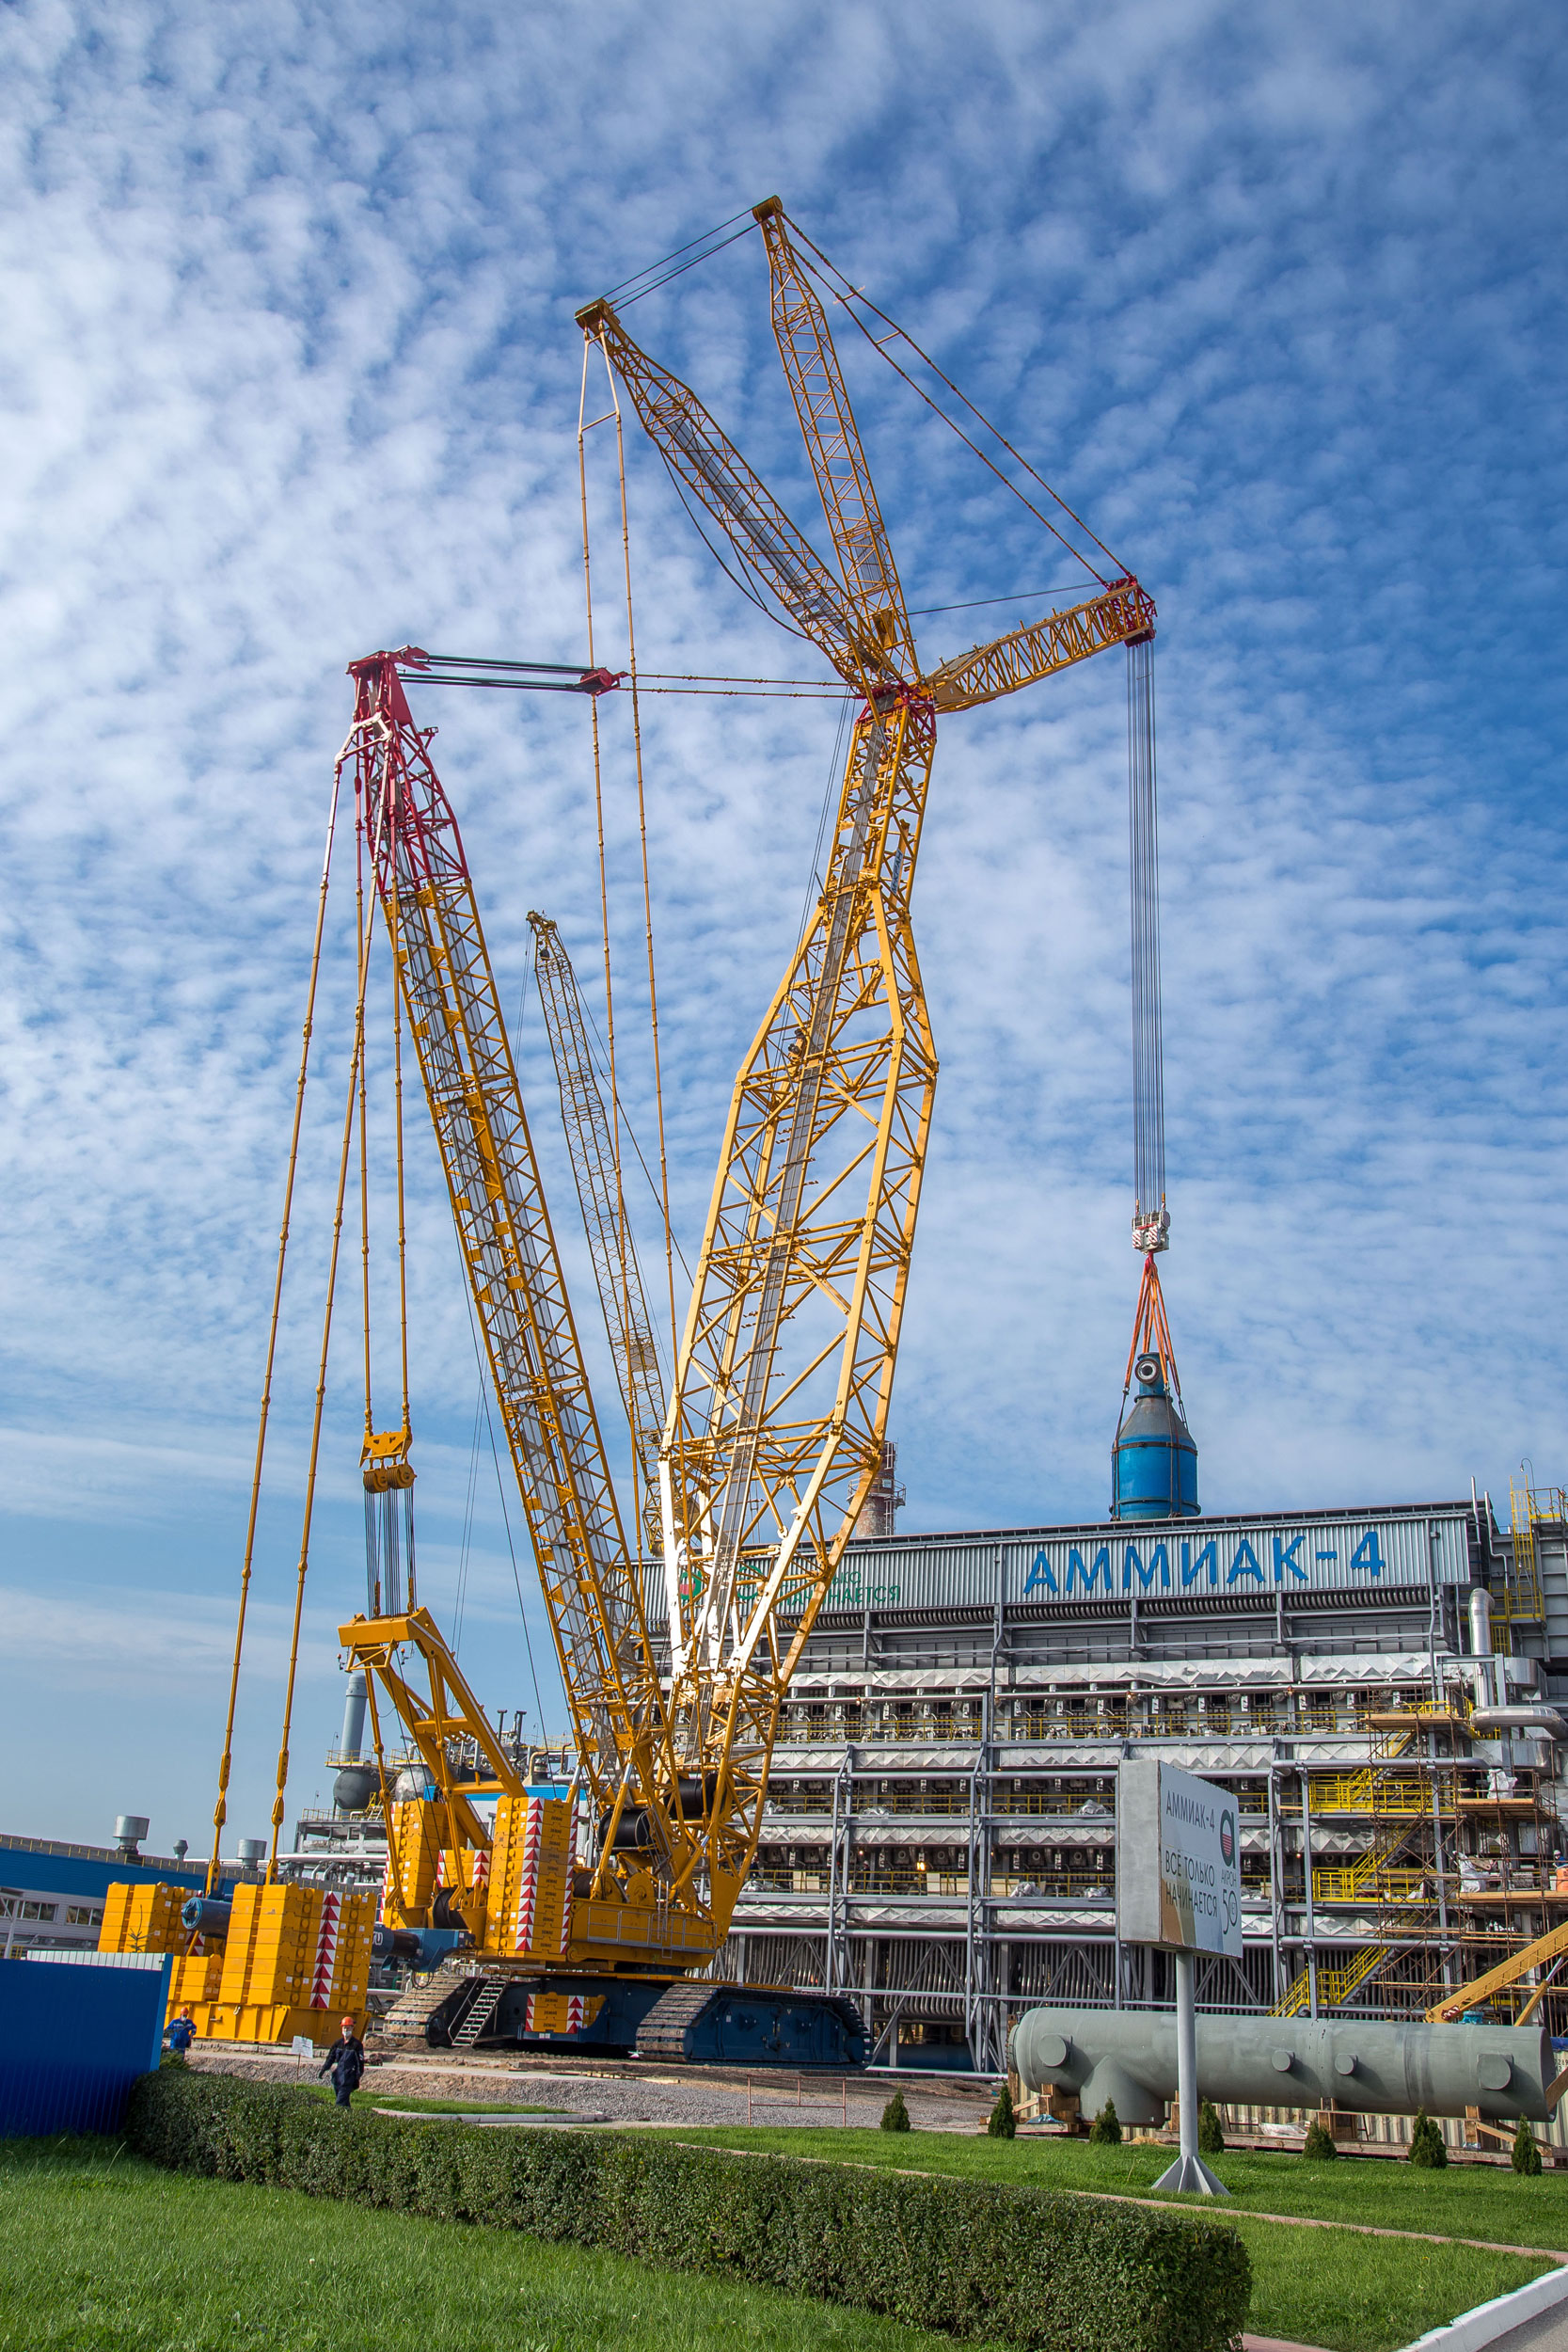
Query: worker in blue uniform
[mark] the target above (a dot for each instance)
(345, 2061)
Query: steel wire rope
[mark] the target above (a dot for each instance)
(628, 299)
(220, 1814)
(1148, 1077)
(506, 1516)
(845, 293)
(647, 891)
(700, 239)
(813, 694)
(314, 1455)
(623, 1302)
(466, 1548)
(814, 881)
(393, 926)
(751, 593)
(970, 604)
(364, 1154)
(598, 1040)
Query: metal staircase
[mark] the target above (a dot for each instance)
(479, 2012)
(406, 2024)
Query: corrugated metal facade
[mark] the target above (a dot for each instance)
(75, 2034)
(1313, 1552)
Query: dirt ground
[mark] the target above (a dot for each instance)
(693, 2098)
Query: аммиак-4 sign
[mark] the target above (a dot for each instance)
(1179, 1868)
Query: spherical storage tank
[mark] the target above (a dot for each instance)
(1154, 1460)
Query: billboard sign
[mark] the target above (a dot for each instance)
(1178, 1862)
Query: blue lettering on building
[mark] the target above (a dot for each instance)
(1246, 1563)
(1075, 1567)
(1285, 1557)
(1158, 1565)
(1192, 1569)
(1041, 1572)
(1148, 1564)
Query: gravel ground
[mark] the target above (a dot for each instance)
(692, 2100)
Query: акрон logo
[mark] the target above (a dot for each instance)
(1228, 1838)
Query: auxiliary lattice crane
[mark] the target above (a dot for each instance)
(617, 1274)
(776, 1426)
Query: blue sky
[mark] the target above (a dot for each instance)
(1273, 296)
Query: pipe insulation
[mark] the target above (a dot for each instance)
(1369, 2067)
(1149, 1079)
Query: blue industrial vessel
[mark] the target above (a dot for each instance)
(1154, 1459)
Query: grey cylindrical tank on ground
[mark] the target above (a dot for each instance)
(1368, 2066)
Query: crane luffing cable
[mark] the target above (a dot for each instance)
(660, 275)
(847, 294)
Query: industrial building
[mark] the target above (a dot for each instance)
(940, 1836)
(52, 1894)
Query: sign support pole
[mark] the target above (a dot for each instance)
(1189, 2171)
(1179, 1886)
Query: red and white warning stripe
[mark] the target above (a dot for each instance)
(327, 1952)
(571, 1872)
(528, 1882)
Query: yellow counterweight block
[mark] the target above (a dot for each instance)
(296, 1959)
(142, 1919)
(194, 1980)
(413, 1857)
(561, 2012)
(531, 1875)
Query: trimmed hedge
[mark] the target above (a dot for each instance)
(1066, 2273)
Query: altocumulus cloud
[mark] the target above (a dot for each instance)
(1274, 298)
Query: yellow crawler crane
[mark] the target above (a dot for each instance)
(778, 1413)
(587, 1908)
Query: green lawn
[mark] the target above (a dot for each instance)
(1462, 2201)
(104, 2253)
(1342, 2291)
(101, 2252)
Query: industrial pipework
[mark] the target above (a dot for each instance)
(1128, 2056)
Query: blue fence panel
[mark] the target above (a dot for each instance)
(75, 2034)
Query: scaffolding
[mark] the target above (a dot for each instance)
(1520, 1599)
